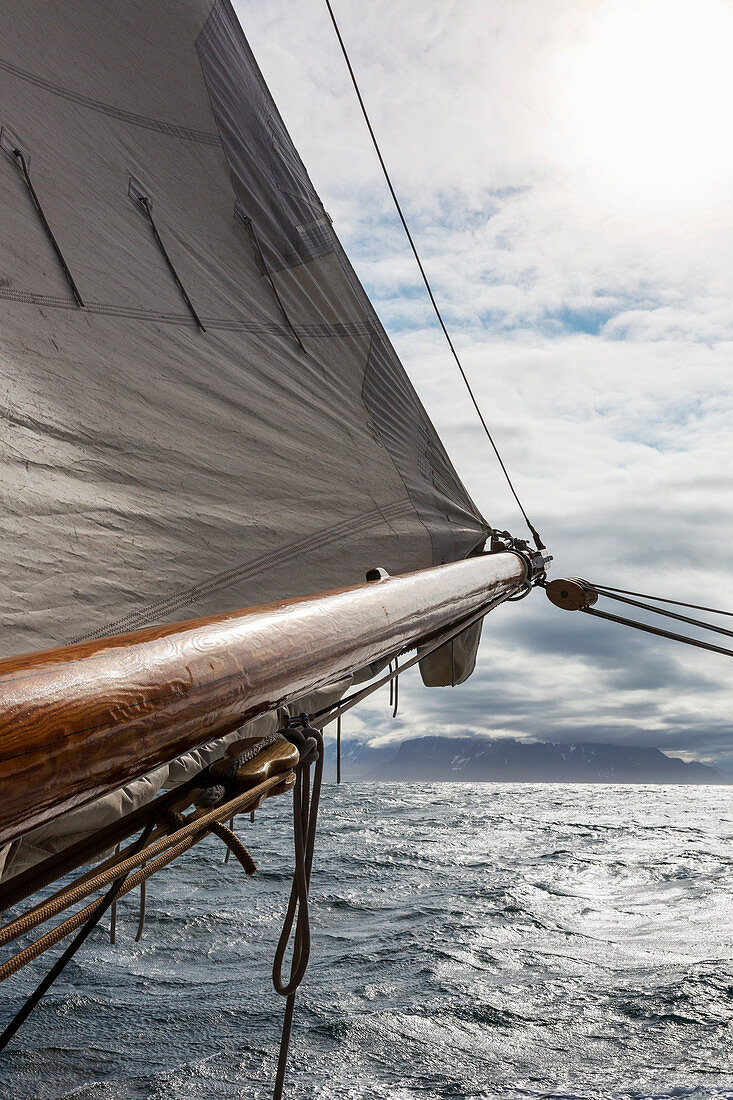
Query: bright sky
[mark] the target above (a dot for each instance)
(566, 169)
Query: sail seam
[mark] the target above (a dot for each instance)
(224, 324)
(173, 129)
(161, 608)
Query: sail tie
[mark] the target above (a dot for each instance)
(249, 225)
(147, 207)
(22, 161)
(394, 687)
(338, 749)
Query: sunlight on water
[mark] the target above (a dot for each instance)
(473, 942)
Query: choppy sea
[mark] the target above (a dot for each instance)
(468, 942)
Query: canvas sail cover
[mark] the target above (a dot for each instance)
(153, 470)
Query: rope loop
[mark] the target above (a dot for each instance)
(305, 815)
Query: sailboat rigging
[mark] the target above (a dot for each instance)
(228, 510)
(215, 418)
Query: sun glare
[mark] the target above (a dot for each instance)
(649, 94)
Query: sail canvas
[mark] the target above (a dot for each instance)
(155, 470)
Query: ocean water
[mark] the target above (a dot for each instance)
(468, 942)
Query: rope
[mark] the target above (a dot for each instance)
(180, 841)
(93, 919)
(225, 783)
(234, 845)
(90, 884)
(305, 817)
(537, 540)
(338, 749)
(145, 203)
(230, 839)
(23, 165)
(228, 852)
(83, 851)
(141, 918)
(113, 916)
(185, 835)
(28, 954)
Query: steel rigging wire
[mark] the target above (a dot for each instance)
(535, 535)
(606, 589)
(576, 594)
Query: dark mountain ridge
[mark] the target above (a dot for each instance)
(477, 759)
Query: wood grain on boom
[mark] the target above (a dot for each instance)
(80, 721)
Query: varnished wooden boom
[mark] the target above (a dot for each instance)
(80, 721)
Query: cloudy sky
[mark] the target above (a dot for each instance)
(566, 169)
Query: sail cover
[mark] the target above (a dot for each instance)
(155, 470)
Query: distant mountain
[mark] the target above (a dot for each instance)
(476, 759)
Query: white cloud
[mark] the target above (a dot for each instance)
(591, 307)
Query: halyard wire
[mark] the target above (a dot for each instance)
(535, 535)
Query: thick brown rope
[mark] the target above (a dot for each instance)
(141, 918)
(55, 866)
(12, 965)
(68, 897)
(28, 954)
(234, 845)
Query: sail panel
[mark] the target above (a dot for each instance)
(153, 472)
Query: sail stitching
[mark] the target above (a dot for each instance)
(149, 612)
(224, 324)
(146, 122)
